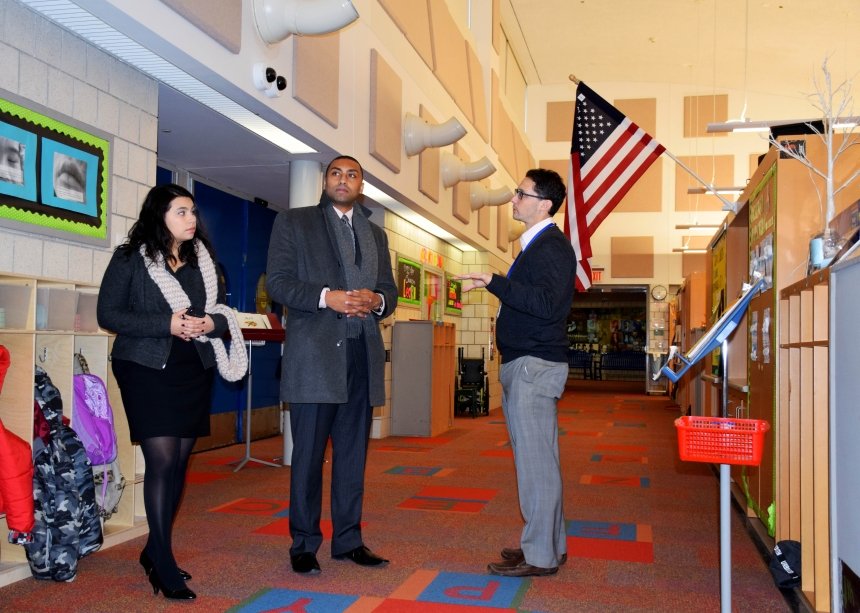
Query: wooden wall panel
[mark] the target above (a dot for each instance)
(497, 28)
(699, 111)
(632, 256)
(413, 19)
(641, 111)
(524, 158)
(562, 167)
(484, 221)
(460, 205)
(428, 164)
(718, 168)
(502, 217)
(646, 195)
(221, 20)
(502, 132)
(317, 89)
(386, 113)
(478, 97)
(559, 121)
(449, 51)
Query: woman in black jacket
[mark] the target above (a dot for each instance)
(159, 294)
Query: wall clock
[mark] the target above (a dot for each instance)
(658, 292)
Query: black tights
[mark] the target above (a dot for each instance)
(166, 462)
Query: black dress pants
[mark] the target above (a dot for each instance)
(348, 426)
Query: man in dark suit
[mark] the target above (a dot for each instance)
(531, 333)
(330, 267)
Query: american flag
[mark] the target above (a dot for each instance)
(608, 154)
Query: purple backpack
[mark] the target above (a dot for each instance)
(92, 417)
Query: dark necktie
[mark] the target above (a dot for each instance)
(347, 230)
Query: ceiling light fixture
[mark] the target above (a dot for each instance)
(712, 190)
(688, 250)
(698, 226)
(85, 25)
(401, 210)
(745, 125)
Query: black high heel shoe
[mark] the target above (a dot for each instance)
(180, 594)
(147, 566)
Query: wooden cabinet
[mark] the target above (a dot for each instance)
(422, 378)
(803, 439)
(45, 323)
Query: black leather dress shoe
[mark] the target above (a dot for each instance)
(511, 554)
(305, 563)
(362, 556)
(523, 569)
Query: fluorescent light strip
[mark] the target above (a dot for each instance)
(685, 250)
(839, 123)
(715, 190)
(697, 226)
(80, 22)
(401, 210)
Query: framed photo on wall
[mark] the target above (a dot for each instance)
(408, 282)
(53, 174)
(453, 295)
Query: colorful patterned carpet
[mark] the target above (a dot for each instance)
(643, 529)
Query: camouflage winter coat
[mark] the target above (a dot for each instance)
(67, 525)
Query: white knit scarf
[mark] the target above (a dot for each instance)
(233, 366)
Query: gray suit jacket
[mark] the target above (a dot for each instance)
(303, 259)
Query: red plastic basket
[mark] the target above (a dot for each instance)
(721, 440)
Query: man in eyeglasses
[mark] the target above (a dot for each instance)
(535, 298)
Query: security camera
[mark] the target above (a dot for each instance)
(281, 83)
(263, 76)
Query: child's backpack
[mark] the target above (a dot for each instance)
(92, 419)
(67, 525)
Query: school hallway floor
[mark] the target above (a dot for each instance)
(643, 528)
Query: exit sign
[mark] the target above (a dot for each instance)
(596, 274)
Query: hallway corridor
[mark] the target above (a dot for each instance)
(643, 528)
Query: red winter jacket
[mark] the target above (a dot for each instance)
(16, 470)
(16, 481)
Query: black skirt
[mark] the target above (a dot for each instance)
(172, 401)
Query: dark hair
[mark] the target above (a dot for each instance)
(549, 185)
(344, 157)
(150, 230)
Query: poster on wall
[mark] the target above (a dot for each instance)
(53, 176)
(408, 282)
(454, 295)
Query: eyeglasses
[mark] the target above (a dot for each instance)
(520, 194)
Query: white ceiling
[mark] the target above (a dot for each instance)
(703, 43)
(697, 42)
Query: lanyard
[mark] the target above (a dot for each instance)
(534, 238)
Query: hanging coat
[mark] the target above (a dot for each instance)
(67, 525)
(16, 481)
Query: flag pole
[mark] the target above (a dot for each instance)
(728, 206)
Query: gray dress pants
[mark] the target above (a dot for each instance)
(531, 388)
